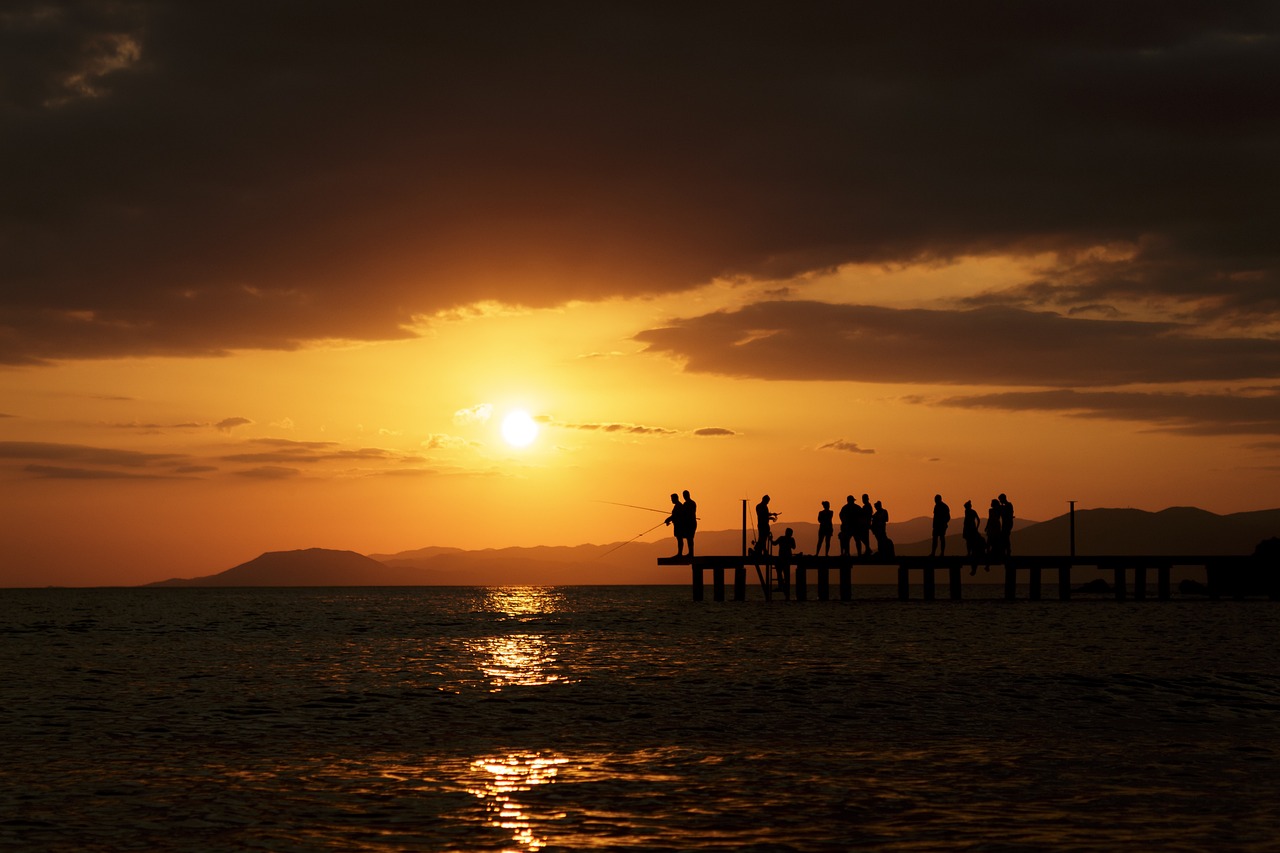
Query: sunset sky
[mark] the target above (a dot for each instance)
(272, 275)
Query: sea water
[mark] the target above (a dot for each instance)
(631, 718)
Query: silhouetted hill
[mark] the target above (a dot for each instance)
(311, 567)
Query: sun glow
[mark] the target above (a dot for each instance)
(519, 429)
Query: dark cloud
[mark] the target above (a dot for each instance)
(228, 424)
(717, 431)
(627, 429)
(269, 472)
(59, 472)
(83, 454)
(977, 346)
(1255, 412)
(845, 446)
(191, 178)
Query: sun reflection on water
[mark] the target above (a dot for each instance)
(501, 778)
(522, 659)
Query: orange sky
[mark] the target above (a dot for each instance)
(272, 303)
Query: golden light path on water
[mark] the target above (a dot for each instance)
(504, 777)
(525, 658)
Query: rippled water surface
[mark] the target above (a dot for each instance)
(631, 718)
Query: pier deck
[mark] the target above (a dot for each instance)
(1221, 572)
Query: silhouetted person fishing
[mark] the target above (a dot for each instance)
(994, 540)
(678, 521)
(849, 517)
(879, 529)
(825, 529)
(690, 518)
(862, 527)
(1006, 526)
(941, 518)
(763, 518)
(786, 544)
(973, 543)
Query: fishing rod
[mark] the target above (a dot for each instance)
(633, 506)
(633, 538)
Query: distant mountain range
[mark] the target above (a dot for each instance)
(1179, 530)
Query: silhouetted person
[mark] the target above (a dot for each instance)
(1006, 525)
(763, 518)
(941, 518)
(974, 546)
(850, 514)
(862, 529)
(786, 547)
(690, 519)
(879, 529)
(994, 540)
(825, 529)
(679, 525)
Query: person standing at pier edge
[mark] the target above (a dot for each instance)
(880, 530)
(690, 519)
(1006, 525)
(676, 522)
(786, 547)
(862, 527)
(941, 518)
(825, 529)
(850, 515)
(994, 540)
(973, 544)
(763, 517)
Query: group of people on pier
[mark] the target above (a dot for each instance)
(860, 522)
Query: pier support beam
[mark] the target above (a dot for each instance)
(929, 584)
(717, 583)
(953, 581)
(904, 583)
(846, 581)
(1162, 582)
(1035, 583)
(1139, 583)
(1121, 584)
(1010, 581)
(740, 583)
(697, 583)
(1064, 582)
(802, 582)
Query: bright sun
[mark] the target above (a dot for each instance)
(519, 429)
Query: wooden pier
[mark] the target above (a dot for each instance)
(1223, 574)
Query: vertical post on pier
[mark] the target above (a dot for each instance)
(1121, 584)
(904, 584)
(953, 580)
(1139, 583)
(846, 580)
(824, 582)
(1073, 527)
(1064, 582)
(1035, 583)
(929, 583)
(1162, 582)
(744, 528)
(740, 582)
(697, 582)
(717, 581)
(1010, 580)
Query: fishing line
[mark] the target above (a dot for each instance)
(633, 506)
(633, 538)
